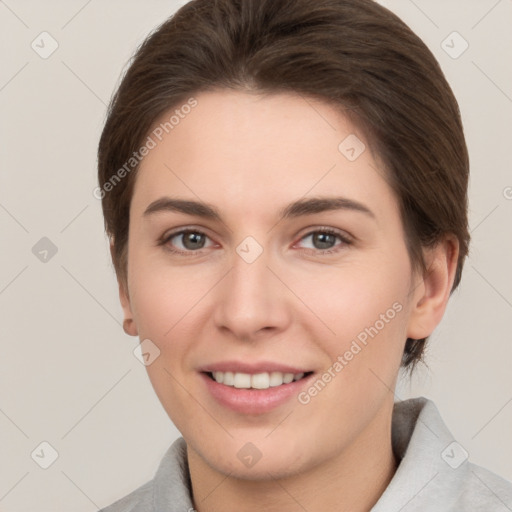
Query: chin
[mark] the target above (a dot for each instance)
(261, 471)
(249, 463)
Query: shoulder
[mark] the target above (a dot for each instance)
(170, 488)
(139, 500)
(483, 490)
(434, 472)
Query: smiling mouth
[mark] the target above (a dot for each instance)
(264, 380)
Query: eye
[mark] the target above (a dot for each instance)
(324, 240)
(188, 241)
(191, 242)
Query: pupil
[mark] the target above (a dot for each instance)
(320, 237)
(324, 240)
(193, 238)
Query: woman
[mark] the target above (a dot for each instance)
(285, 187)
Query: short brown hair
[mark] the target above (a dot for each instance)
(353, 54)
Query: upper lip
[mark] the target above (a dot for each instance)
(251, 368)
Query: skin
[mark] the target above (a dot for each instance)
(250, 155)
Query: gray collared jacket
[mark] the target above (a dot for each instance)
(434, 474)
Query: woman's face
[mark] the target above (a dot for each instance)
(277, 282)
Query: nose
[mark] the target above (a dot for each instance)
(252, 301)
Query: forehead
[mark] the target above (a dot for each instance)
(242, 149)
(255, 127)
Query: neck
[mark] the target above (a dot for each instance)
(351, 481)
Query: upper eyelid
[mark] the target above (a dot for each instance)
(343, 235)
(171, 234)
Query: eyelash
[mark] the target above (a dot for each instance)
(346, 241)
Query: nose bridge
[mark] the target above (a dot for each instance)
(250, 297)
(250, 273)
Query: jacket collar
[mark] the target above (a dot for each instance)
(430, 474)
(432, 468)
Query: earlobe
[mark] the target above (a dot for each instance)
(129, 326)
(433, 291)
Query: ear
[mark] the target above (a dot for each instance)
(432, 291)
(129, 326)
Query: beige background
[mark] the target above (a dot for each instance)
(67, 372)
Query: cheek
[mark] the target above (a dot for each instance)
(163, 302)
(344, 301)
(361, 320)
(163, 297)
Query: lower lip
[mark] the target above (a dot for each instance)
(253, 401)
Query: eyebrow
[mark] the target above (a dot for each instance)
(298, 208)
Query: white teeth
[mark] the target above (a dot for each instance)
(288, 377)
(242, 380)
(229, 378)
(257, 381)
(276, 379)
(260, 381)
